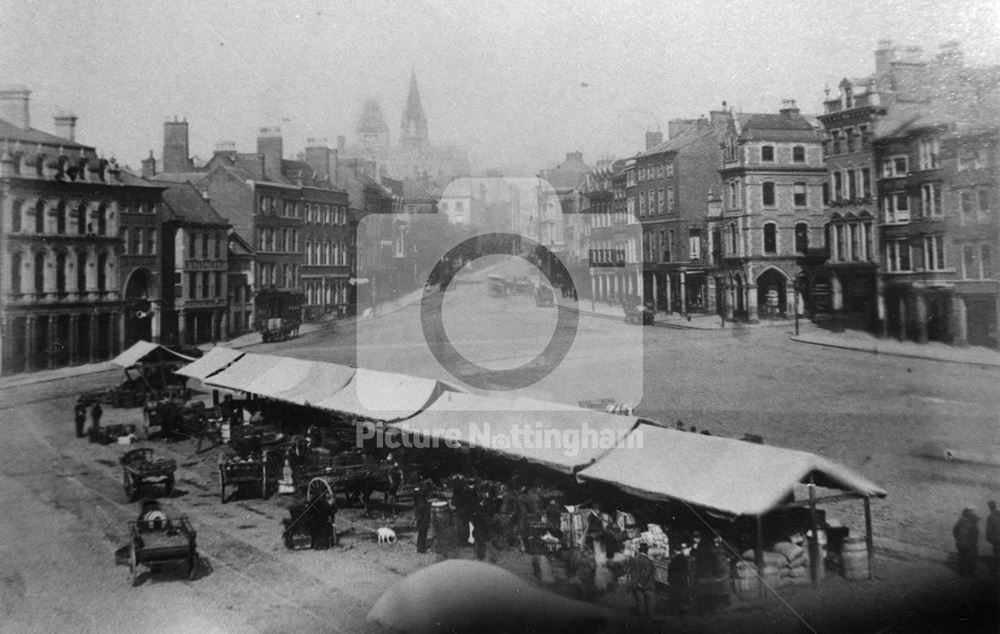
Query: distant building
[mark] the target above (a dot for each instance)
(196, 267)
(414, 157)
(61, 247)
(615, 271)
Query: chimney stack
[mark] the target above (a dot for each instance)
(66, 125)
(14, 102)
(269, 145)
(176, 157)
(321, 159)
(885, 55)
(788, 107)
(653, 139)
(149, 166)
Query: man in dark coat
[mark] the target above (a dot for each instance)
(993, 534)
(322, 517)
(422, 515)
(679, 581)
(966, 533)
(95, 415)
(80, 417)
(482, 525)
(711, 575)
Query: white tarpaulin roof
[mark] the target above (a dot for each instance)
(242, 373)
(727, 475)
(214, 360)
(383, 395)
(142, 349)
(317, 381)
(563, 438)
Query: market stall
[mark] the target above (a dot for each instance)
(213, 361)
(736, 479)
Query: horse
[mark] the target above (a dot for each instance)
(386, 479)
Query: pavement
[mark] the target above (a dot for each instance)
(809, 333)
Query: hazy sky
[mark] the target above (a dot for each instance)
(502, 77)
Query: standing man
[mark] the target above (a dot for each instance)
(422, 513)
(642, 581)
(95, 415)
(966, 533)
(482, 527)
(993, 534)
(322, 522)
(80, 416)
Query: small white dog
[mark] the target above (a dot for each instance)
(386, 535)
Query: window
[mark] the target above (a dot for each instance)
(660, 201)
(838, 185)
(966, 203)
(798, 154)
(694, 244)
(895, 208)
(852, 231)
(768, 194)
(218, 246)
(928, 154)
(670, 200)
(849, 139)
(733, 239)
(826, 193)
(799, 194)
(15, 273)
(205, 281)
(930, 196)
(733, 195)
(986, 261)
(670, 170)
(897, 256)
(984, 201)
(15, 221)
(151, 242)
(204, 246)
(40, 216)
(193, 245)
(642, 203)
(218, 284)
(934, 252)
(969, 268)
(841, 245)
(852, 185)
(770, 238)
(801, 237)
(866, 182)
(664, 246)
(894, 166)
(767, 153)
(81, 273)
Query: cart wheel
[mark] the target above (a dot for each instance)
(317, 488)
(133, 564)
(169, 486)
(130, 486)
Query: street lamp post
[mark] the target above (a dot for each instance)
(795, 285)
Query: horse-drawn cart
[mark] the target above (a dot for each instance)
(139, 469)
(159, 541)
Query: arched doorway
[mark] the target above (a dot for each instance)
(771, 292)
(139, 291)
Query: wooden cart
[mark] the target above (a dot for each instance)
(238, 471)
(161, 541)
(139, 469)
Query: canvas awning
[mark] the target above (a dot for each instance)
(731, 476)
(383, 396)
(146, 351)
(314, 383)
(214, 360)
(243, 373)
(563, 438)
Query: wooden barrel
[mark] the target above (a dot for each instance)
(855, 557)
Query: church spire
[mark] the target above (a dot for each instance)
(413, 128)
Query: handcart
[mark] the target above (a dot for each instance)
(161, 541)
(139, 468)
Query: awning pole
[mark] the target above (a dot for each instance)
(813, 537)
(868, 536)
(759, 555)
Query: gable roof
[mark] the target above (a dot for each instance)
(185, 203)
(777, 127)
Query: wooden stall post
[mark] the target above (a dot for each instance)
(868, 536)
(813, 537)
(759, 556)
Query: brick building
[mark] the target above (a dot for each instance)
(772, 212)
